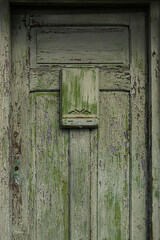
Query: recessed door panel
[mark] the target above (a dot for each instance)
(82, 45)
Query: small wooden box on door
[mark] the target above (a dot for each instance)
(88, 184)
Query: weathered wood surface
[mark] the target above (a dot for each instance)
(51, 170)
(19, 130)
(32, 173)
(78, 17)
(4, 120)
(116, 78)
(80, 184)
(82, 45)
(93, 182)
(44, 77)
(49, 145)
(113, 166)
(155, 112)
(119, 203)
(139, 130)
(110, 78)
(79, 97)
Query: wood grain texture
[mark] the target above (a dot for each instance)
(80, 184)
(113, 166)
(19, 130)
(4, 119)
(155, 112)
(118, 206)
(80, 97)
(51, 170)
(114, 78)
(110, 78)
(80, 17)
(82, 44)
(32, 172)
(139, 125)
(44, 78)
(94, 185)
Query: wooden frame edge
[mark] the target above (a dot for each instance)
(5, 116)
(155, 114)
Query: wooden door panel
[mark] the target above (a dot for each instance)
(80, 17)
(82, 183)
(113, 166)
(51, 169)
(82, 45)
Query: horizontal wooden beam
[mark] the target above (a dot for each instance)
(98, 2)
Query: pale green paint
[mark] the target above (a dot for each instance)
(32, 175)
(139, 149)
(4, 125)
(113, 166)
(80, 184)
(51, 149)
(41, 79)
(155, 126)
(19, 133)
(68, 183)
(82, 45)
(110, 77)
(79, 97)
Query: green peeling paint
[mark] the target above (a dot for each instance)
(79, 97)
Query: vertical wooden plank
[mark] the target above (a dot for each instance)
(4, 118)
(32, 173)
(93, 181)
(51, 170)
(20, 128)
(139, 133)
(79, 184)
(113, 166)
(155, 103)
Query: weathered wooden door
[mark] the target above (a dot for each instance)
(81, 183)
